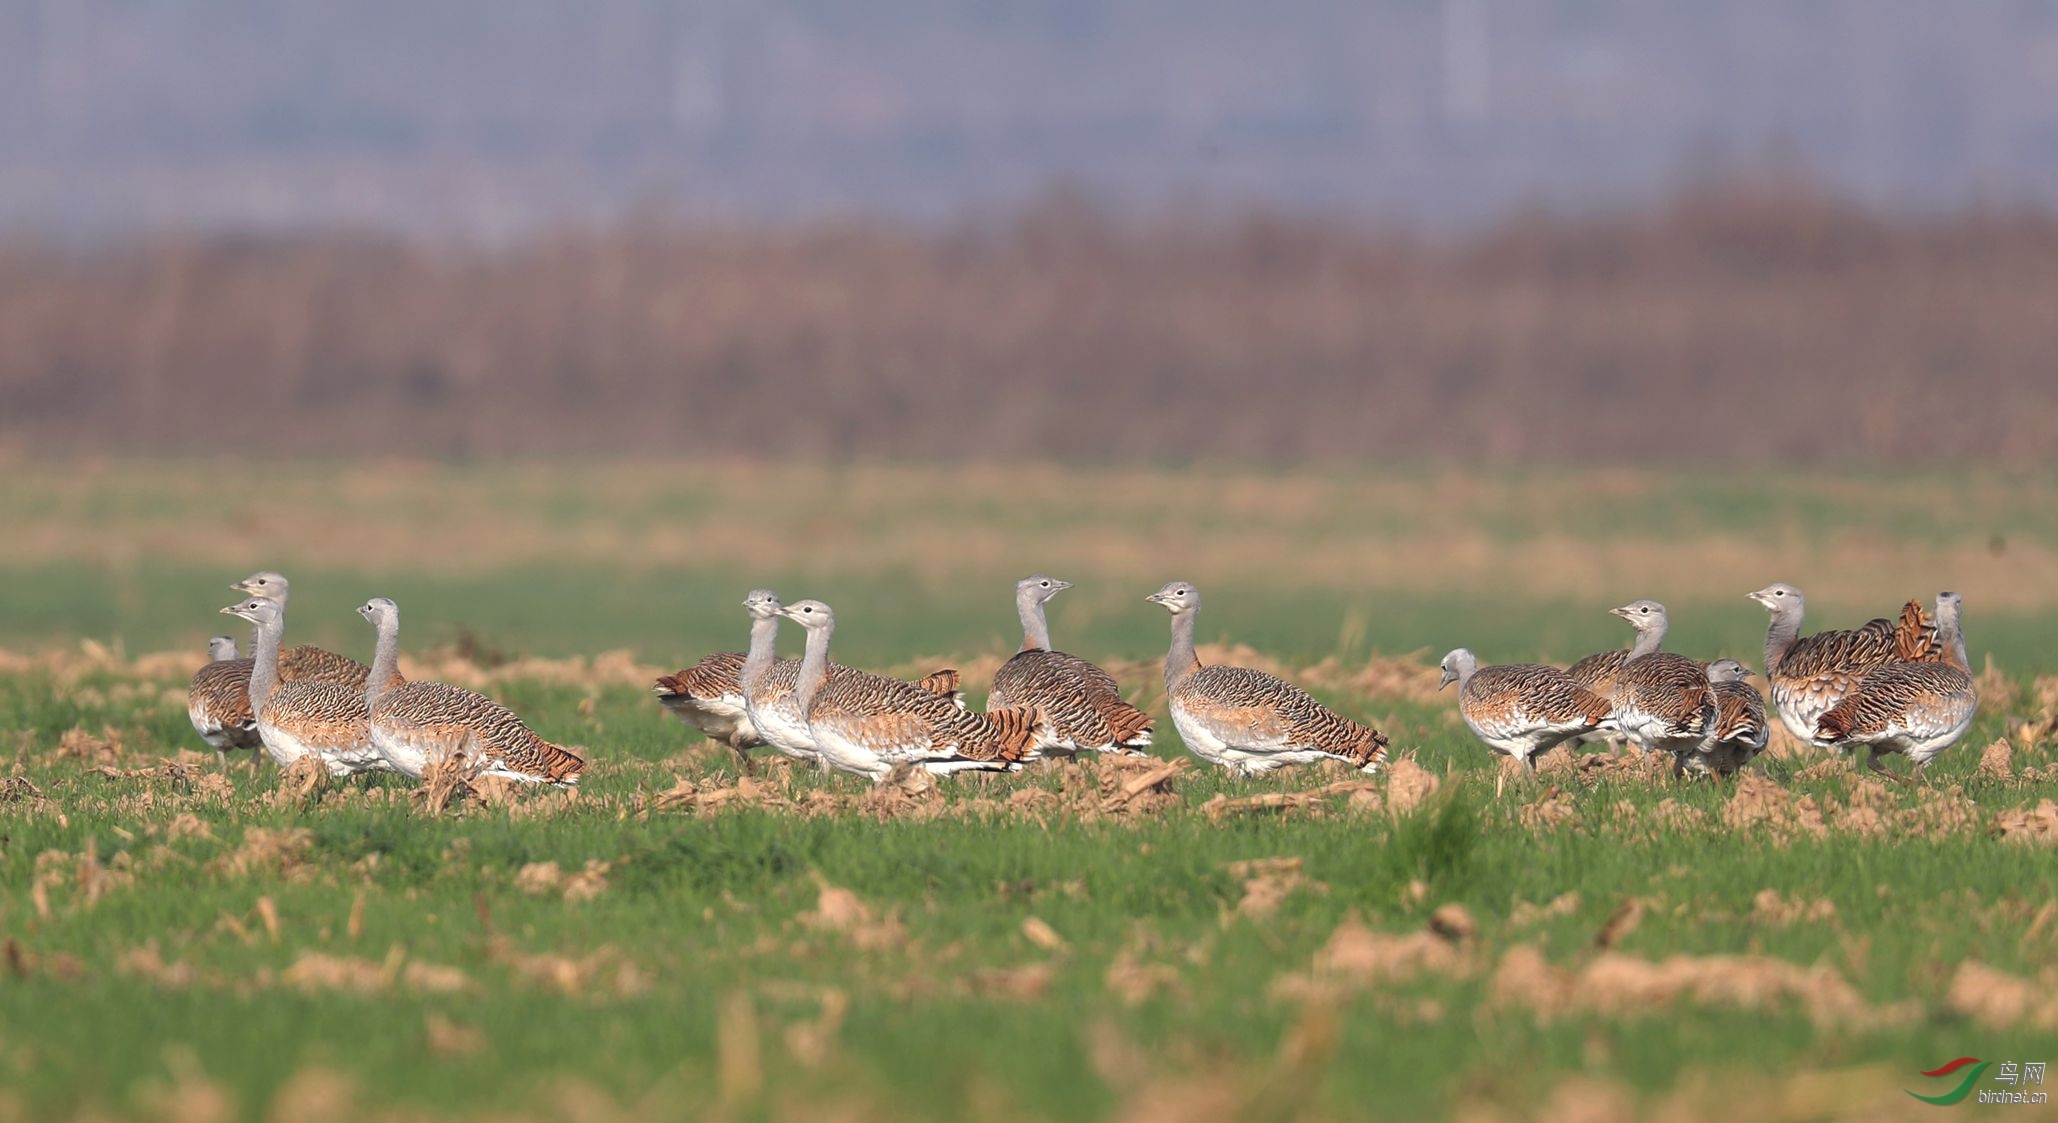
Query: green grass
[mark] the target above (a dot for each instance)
(695, 980)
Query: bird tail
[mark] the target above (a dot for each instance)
(558, 765)
(1834, 725)
(1915, 636)
(1130, 726)
(1370, 752)
(944, 683)
(1017, 732)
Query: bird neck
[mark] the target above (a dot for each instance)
(385, 663)
(1180, 660)
(764, 648)
(1647, 642)
(264, 665)
(814, 667)
(1035, 630)
(1466, 670)
(1780, 637)
(1952, 639)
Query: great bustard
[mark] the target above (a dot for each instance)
(1083, 702)
(415, 724)
(1917, 709)
(867, 724)
(218, 700)
(1521, 709)
(1808, 675)
(1246, 720)
(303, 717)
(1661, 701)
(1740, 728)
(305, 661)
(709, 697)
(766, 685)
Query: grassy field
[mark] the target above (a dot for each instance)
(1597, 943)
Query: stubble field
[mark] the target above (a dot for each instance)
(1142, 940)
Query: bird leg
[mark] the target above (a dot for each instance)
(1873, 762)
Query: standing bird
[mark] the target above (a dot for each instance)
(1523, 710)
(305, 661)
(1246, 720)
(1740, 728)
(303, 717)
(867, 724)
(218, 701)
(1915, 709)
(766, 685)
(1083, 702)
(1662, 701)
(1809, 675)
(414, 724)
(709, 697)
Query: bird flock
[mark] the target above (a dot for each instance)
(1888, 686)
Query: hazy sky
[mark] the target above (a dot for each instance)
(483, 117)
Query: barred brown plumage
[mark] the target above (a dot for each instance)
(218, 700)
(1661, 701)
(414, 724)
(709, 697)
(1247, 720)
(768, 688)
(1917, 709)
(867, 723)
(302, 718)
(1740, 730)
(1809, 675)
(1083, 702)
(1523, 710)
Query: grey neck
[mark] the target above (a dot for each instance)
(1035, 631)
(264, 666)
(1952, 637)
(1647, 642)
(385, 662)
(814, 667)
(1180, 660)
(764, 648)
(1466, 670)
(1780, 637)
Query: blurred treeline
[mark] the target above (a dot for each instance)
(1733, 323)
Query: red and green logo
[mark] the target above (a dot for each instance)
(1964, 1088)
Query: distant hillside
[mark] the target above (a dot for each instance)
(487, 118)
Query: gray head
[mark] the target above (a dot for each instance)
(259, 611)
(1949, 606)
(809, 614)
(1178, 597)
(1779, 598)
(221, 648)
(1728, 670)
(1037, 589)
(1457, 665)
(763, 604)
(1643, 615)
(380, 611)
(264, 583)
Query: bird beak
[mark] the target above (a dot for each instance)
(1448, 678)
(240, 587)
(1622, 612)
(1061, 584)
(1749, 673)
